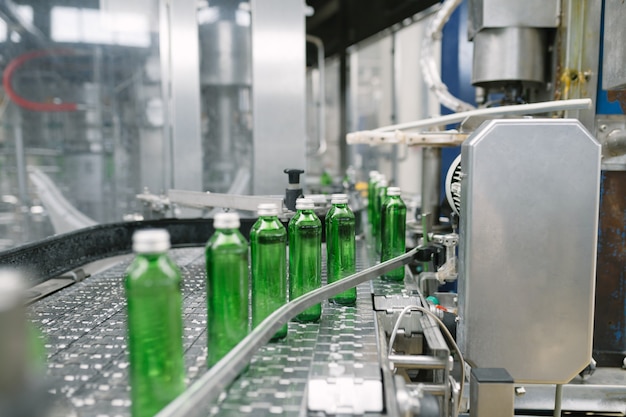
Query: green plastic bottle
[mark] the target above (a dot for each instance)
(305, 256)
(371, 191)
(393, 229)
(227, 287)
(155, 329)
(381, 194)
(268, 249)
(340, 246)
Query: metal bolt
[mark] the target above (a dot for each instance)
(519, 391)
(603, 128)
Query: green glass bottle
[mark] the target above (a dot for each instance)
(340, 246)
(155, 329)
(227, 287)
(381, 194)
(268, 249)
(371, 190)
(305, 256)
(393, 229)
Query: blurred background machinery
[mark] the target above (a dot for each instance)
(105, 101)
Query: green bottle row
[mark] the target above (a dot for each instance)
(153, 289)
(387, 218)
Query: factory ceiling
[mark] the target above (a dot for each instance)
(341, 23)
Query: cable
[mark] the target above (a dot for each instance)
(430, 71)
(23, 102)
(444, 329)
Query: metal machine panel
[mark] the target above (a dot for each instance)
(529, 221)
(512, 13)
(613, 75)
(278, 96)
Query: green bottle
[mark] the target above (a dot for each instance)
(340, 246)
(379, 198)
(371, 190)
(393, 228)
(268, 248)
(227, 287)
(155, 328)
(305, 256)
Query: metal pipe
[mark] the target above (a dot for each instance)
(434, 389)
(431, 183)
(321, 108)
(418, 362)
(558, 397)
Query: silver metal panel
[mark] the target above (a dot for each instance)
(509, 54)
(278, 95)
(512, 13)
(529, 210)
(184, 69)
(225, 57)
(613, 74)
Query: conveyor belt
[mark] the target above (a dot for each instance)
(85, 332)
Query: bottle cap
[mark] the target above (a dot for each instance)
(383, 182)
(226, 221)
(339, 199)
(391, 191)
(304, 204)
(374, 174)
(151, 241)
(268, 209)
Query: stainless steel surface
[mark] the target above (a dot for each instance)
(491, 398)
(509, 54)
(184, 102)
(431, 184)
(604, 392)
(278, 102)
(225, 43)
(321, 94)
(528, 248)
(418, 362)
(209, 200)
(512, 13)
(614, 52)
(611, 133)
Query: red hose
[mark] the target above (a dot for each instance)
(25, 103)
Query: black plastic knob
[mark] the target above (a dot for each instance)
(294, 175)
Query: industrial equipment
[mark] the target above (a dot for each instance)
(121, 116)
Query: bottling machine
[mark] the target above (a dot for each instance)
(160, 113)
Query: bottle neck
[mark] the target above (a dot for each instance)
(226, 231)
(341, 205)
(150, 255)
(268, 218)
